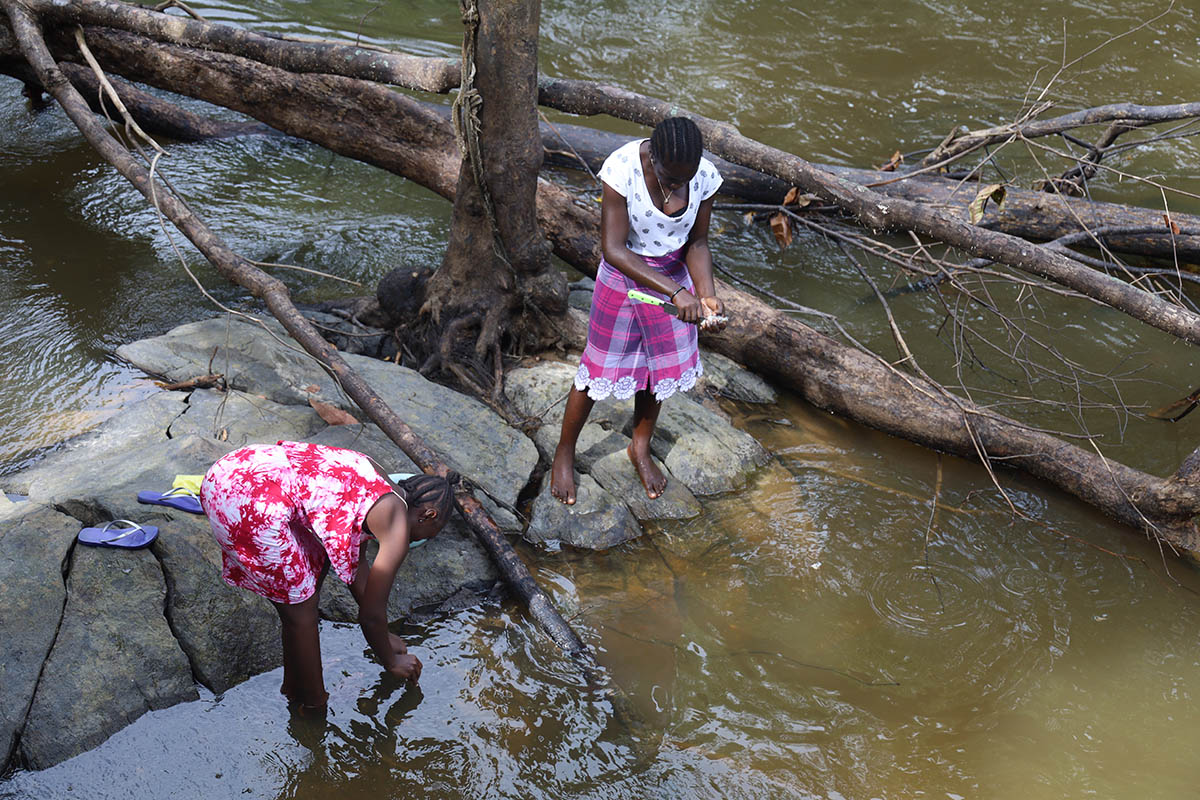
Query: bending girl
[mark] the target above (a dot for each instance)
(284, 513)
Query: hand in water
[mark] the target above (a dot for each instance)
(407, 667)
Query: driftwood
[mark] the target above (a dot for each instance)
(398, 134)
(275, 295)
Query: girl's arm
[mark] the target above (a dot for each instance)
(388, 520)
(699, 261)
(614, 230)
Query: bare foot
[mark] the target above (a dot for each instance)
(562, 476)
(652, 477)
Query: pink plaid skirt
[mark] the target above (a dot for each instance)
(633, 346)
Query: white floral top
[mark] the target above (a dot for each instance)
(651, 232)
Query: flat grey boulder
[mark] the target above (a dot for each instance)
(370, 440)
(238, 419)
(34, 543)
(122, 447)
(597, 520)
(113, 660)
(261, 360)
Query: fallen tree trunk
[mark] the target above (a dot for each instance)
(830, 375)
(275, 295)
(877, 211)
(1026, 213)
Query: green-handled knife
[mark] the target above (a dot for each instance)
(642, 297)
(672, 309)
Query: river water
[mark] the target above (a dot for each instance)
(867, 620)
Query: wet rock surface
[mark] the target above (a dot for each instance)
(95, 637)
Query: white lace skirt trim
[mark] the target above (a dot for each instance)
(626, 387)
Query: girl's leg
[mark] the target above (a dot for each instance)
(645, 416)
(303, 680)
(562, 472)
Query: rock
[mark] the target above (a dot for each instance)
(468, 435)
(106, 450)
(581, 300)
(597, 521)
(703, 450)
(429, 575)
(111, 492)
(33, 543)
(349, 337)
(7, 505)
(726, 377)
(239, 419)
(129, 444)
(229, 634)
(370, 440)
(616, 474)
(698, 446)
(471, 438)
(252, 359)
(114, 657)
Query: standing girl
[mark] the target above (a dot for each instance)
(654, 215)
(284, 513)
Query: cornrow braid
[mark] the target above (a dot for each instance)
(676, 140)
(430, 490)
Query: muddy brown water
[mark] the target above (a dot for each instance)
(865, 620)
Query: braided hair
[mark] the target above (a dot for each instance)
(676, 140)
(430, 490)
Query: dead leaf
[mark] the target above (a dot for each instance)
(1171, 224)
(781, 226)
(331, 414)
(794, 198)
(994, 192)
(896, 160)
(312, 389)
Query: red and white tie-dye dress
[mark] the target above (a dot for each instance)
(279, 510)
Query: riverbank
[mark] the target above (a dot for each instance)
(103, 635)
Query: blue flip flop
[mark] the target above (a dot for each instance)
(181, 499)
(121, 533)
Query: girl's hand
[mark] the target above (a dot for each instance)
(689, 307)
(407, 668)
(398, 644)
(713, 307)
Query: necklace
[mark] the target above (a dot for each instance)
(658, 180)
